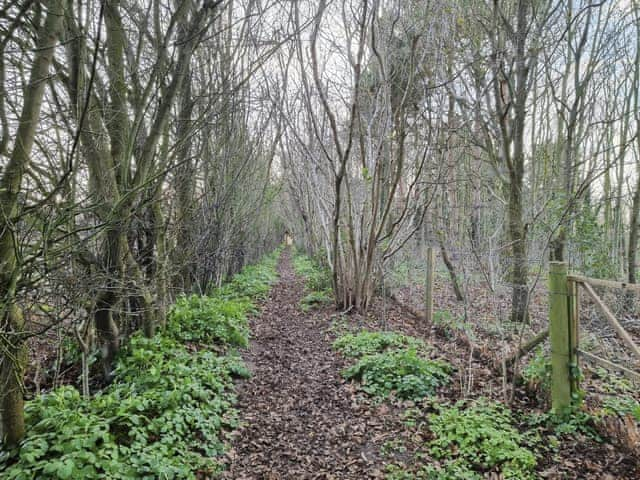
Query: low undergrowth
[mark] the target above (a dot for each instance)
(315, 300)
(169, 409)
(613, 413)
(316, 277)
(317, 281)
(368, 343)
(622, 406)
(164, 417)
(461, 441)
(402, 372)
(253, 282)
(481, 437)
(469, 441)
(475, 439)
(210, 320)
(389, 363)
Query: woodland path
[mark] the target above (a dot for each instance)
(300, 421)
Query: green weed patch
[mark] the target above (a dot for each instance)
(475, 439)
(169, 409)
(402, 372)
(315, 300)
(253, 282)
(317, 281)
(369, 343)
(210, 320)
(316, 278)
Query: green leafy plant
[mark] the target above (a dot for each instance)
(620, 400)
(340, 325)
(537, 373)
(316, 278)
(569, 421)
(613, 383)
(221, 317)
(478, 438)
(252, 283)
(163, 417)
(315, 299)
(403, 372)
(451, 325)
(442, 317)
(391, 447)
(168, 411)
(398, 472)
(368, 343)
(317, 281)
(622, 405)
(209, 320)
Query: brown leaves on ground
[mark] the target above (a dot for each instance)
(302, 421)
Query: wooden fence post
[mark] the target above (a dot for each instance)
(560, 337)
(428, 287)
(574, 322)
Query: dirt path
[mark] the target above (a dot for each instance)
(300, 421)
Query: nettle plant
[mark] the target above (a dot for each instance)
(368, 343)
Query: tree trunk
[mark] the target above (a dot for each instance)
(143, 302)
(13, 360)
(12, 367)
(633, 235)
(452, 271)
(520, 270)
(107, 329)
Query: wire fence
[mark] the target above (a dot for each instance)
(483, 314)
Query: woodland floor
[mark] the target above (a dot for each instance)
(301, 420)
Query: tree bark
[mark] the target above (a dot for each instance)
(13, 358)
(452, 271)
(633, 235)
(520, 270)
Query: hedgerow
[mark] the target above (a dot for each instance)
(169, 409)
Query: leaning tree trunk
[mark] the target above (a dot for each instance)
(13, 359)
